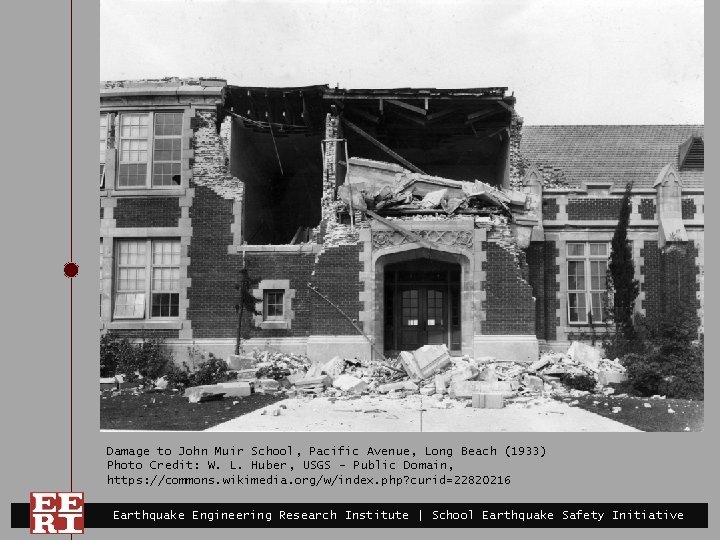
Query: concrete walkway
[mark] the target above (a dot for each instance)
(381, 413)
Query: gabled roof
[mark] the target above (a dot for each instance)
(611, 154)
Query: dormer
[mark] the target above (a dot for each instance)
(691, 154)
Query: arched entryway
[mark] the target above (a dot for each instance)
(423, 296)
(422, 305)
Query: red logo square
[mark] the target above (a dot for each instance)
(57, 512)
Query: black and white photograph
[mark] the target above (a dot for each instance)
(364, 216)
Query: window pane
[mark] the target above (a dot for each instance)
(597, 307)
(598, 249)
(132, 175)
(165, 305)
(598, 273)
(129, 306)
(576, 250)
(168, 124)
(576, 275)
(578, 310)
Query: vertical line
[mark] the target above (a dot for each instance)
(71, 246)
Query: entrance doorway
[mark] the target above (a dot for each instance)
(422, 305)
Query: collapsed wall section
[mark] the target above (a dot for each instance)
(509, 304)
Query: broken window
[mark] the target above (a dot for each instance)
(587, 281)
(147, 269)
(150, 158)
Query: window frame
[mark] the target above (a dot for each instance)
(104, 138)
(266, 304)
(151, 139)
(148, 268)
(588, 291)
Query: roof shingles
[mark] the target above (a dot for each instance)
(612, 154)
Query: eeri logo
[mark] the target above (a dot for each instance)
(57, 512)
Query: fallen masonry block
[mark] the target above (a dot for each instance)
(539, 364)
(463, 374)
(246, 374)
(425, 361)
(199, 394)
(333, 367)
(267, 385)
(586, 355)
(478, 401)
(236, 389)
(465, 389)
(536, 384)
(295, 377)
(440, 384)
(238, 362)
(319, 380)
(348, 383)
(427, 390)
(494, 401)
(610, 377)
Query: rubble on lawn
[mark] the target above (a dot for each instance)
(485, 382)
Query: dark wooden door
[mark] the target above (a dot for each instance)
(423, 315)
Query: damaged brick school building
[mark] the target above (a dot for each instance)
(375, 221)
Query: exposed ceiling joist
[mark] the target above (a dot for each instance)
(433, 117)
(413, 108)
(479, 115)
(380, 145)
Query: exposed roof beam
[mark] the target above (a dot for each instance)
(413, 108)
(409, 117)
(364, 114)
(438, 115)
(479, 115)
(380, 145)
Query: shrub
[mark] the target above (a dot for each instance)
(114, 351)
(211, 371)
(153, 359)
(148, 359)
(580, 381)
(177, 376)
(668, 371)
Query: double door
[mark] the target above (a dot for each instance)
(423, 314)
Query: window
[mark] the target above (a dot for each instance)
(586, 281)
(273, 304)
(149, 150)
(103, 146)
(147, 269)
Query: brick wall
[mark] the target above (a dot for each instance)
(509, 306)
(542, 275)
(147, 212)
(647, 208)
(214, 273)
(295, 267)
(670, 283)
(592, 209)
(550, 209)
(337, 277)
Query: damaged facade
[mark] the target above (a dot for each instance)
(376, 221)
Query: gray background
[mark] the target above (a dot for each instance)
(36, 296)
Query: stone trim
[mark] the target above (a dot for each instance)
(288, 295)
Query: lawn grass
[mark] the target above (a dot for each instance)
(168, 410)
(687, 415)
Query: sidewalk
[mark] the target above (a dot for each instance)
(380, 413)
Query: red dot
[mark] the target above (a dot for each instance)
(71, 269)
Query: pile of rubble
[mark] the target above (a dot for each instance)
(430, 370)
(417, 193)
